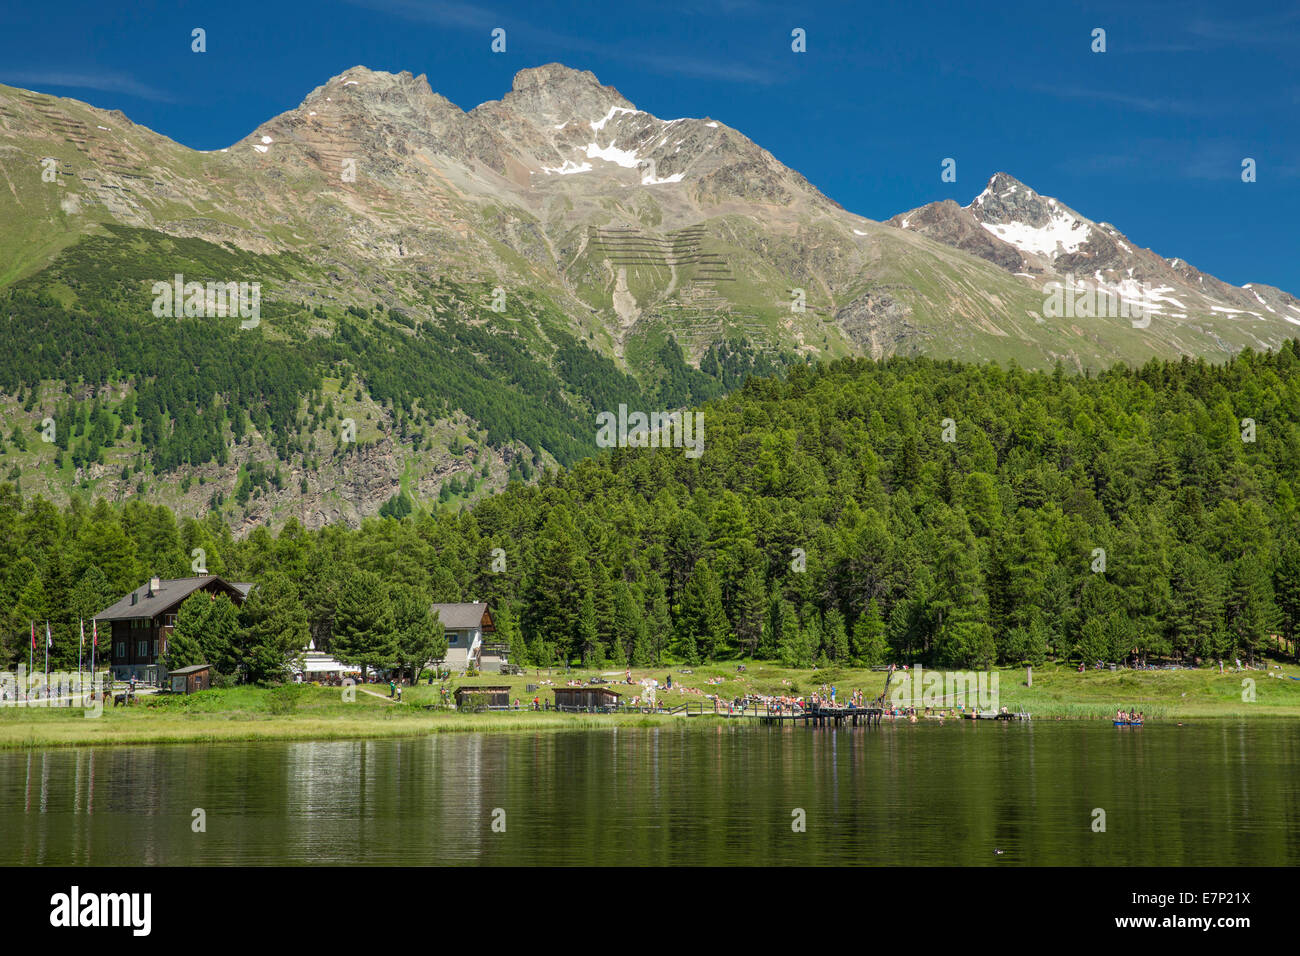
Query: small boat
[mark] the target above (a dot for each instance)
(1128, 723)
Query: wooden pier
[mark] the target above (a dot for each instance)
(817, 716)
(870, 715)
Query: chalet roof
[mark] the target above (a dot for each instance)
(464, 616)
(170, 593)
(192, 669)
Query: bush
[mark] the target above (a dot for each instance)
(284, 699)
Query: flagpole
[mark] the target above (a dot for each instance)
(30, 651)
(47, 658)
(94, 643)
(81, 650)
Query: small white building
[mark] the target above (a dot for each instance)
(468, 626)
(317, 665)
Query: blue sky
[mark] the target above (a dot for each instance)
(1149, 135)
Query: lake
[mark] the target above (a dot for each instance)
(1207, 793)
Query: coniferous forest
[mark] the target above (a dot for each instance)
(903, 510)
(196, 383)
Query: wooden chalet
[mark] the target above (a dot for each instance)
(140, 623)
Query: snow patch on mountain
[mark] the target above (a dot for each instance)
(568, 168)
(648, 178)
(598, 125)
(612, 154)
(1063, 234)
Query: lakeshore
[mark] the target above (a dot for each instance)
(308, 712)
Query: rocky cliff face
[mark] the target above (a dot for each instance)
(956, 226)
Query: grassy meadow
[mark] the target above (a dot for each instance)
(321, 713)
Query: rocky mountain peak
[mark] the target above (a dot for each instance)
(553, 94)
(378, 89)
(1007, 199)
(1036, 225)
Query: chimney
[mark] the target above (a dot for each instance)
(155, 585)
(134, 598)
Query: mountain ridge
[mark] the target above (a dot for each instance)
(492, 278)
(403, 137)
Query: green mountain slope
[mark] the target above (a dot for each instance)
(907, 509)
(448, 280)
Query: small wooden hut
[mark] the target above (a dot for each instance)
(187, 680)
(476, 696)
(586, 698)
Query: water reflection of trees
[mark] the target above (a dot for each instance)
(1213, 793)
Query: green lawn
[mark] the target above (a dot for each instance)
(1058, 691)
(322, 713)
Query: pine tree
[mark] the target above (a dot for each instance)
(602, 595)
(751, 612)
(1286, 586)
(789, 635)
(659, 623)
(183, 650)
(274, 629)
(703, 626)
(1251, 612)
(835, 638)
(627, 619)
(419, 636)
(587, 634)
(509, 632)
(556, 590)
(219, 635)
(363, 622)
(868, 645)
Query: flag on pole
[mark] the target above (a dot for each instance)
(49, 641)
(94, 632)
(82, 625)
(33, 635)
